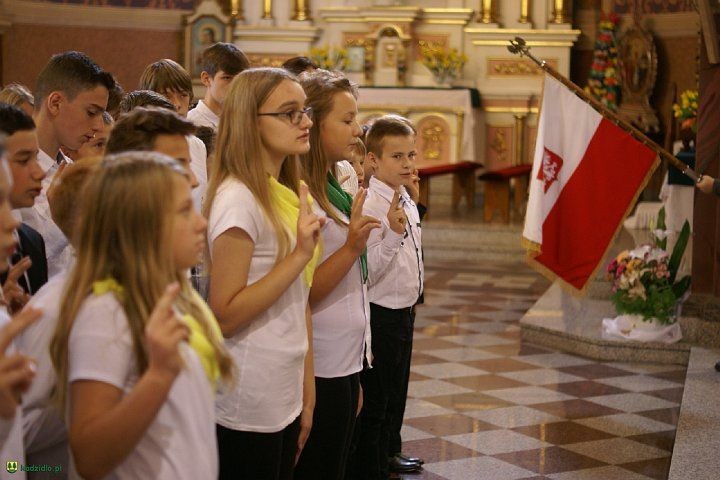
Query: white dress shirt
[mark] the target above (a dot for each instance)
(341, 320)
(202, 116)
(395, 260)
(343, 168)
(38, 217)
(198, 164)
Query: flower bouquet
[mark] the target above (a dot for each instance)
(645, 288)
(445, 64)
(329, 58)
(686, 111)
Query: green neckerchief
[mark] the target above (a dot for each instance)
(343, 202)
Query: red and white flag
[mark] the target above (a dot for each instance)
(586, 174)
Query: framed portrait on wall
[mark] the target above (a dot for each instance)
(205, 26)
(355, 59)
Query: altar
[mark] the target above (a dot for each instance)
(446, 118)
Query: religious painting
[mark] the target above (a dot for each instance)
(355, 59)
(206, 26)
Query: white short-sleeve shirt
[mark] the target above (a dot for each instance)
(270, 352)
(341, 320)
(11, 430)
(181, 442)
(44, 431)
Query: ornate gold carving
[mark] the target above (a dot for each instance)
(433, 135)
(268, 59)
(499, 145)
(498, 67)
(432, 41)
(390, 56)
(302, 10)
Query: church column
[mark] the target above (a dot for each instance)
(524, 11)
(267, 10)
(236, 10)
(559, 12)
(486, 12)
(302, 11)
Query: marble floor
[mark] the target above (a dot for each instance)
(484, 405)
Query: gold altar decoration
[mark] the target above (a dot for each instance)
(524, 11)
(432, 135)
(503, 67)
(267, 10)
(486, 12)
(302, 11)
(559, 12)
(268, 59)
(236, 10)
(499, 145)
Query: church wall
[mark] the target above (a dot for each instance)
(124, 52)
(122, 40)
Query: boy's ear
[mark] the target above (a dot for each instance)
(371, 159)
(205, 78)
(53, 101)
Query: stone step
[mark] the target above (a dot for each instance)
(697, 439)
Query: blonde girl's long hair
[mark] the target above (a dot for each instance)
(238, 147)
(125, 233)
(320, 87)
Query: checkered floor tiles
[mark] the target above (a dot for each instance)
(484, 405)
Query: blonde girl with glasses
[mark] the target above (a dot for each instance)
(138, 354)
(263, 242)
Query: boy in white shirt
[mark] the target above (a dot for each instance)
(71, 95)
(395, 266)
(220, 63)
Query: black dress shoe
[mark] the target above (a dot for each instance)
(717, 366)
(419, 461)
(398, 465)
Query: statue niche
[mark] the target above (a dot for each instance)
(390, 62)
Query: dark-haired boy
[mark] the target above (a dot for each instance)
(154, 129)
(21, 149)
(71, 94)
(220, 63)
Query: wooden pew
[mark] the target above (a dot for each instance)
(497, 192)
(463, 180)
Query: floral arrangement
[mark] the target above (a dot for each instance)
(444, 63)
(686, 111)
(329, 58)
(603, 81)
(643, 279)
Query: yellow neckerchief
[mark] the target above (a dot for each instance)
(198, 341)
(287, 205)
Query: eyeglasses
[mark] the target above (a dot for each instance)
(294, 116)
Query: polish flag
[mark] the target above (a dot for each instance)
(587, 173)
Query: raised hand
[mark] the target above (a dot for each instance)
(15, 296)
(360, 225)
(308, 226)
(396, 215)
(163, 334)
(16, 371)
(413, 186)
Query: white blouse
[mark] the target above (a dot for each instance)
(270, 352)
(341, 321)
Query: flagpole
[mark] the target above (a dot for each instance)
(519, 47)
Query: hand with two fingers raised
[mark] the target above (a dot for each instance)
(163, 333)
(15, 296)
(308, 227)
(16, 371)
(360, 225)
(396, 215)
